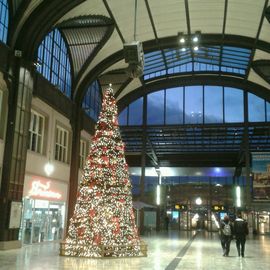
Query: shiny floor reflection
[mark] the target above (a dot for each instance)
(168, 251)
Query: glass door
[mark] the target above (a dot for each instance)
(27, 221)
(263, 223)
(56, 221)
(42, 221)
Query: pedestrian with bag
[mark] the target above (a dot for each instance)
(240, 232)
(226, 231)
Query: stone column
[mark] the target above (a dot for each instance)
(20, 84)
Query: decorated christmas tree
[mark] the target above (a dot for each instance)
(103, 222)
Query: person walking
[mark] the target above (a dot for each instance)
(226, 230)
(240, 232)
(167, 221)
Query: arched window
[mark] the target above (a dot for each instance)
(53, 61)
(199, 104)
(92, 101)
(3, 20)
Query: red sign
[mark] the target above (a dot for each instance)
(42, 190)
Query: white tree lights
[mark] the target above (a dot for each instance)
(103, 222)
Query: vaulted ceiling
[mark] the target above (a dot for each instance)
(96, 31)
(156, 23)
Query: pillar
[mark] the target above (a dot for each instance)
(20, 83)
(74, 162)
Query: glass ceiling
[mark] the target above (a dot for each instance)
(212, 58)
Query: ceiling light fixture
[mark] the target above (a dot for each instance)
(189, 41)
(182, 40)
(198, 201)
(195, 39)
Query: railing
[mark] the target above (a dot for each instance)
(103, 251)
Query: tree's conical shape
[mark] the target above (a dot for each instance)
(103, 219)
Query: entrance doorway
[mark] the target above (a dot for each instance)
(42, 221)
(199, 220)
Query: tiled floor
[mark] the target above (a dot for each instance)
(165, 251)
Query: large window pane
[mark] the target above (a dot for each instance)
(268, 111)
(256, 109)
(155, 108)
(122, 118)
(193, 104)
(174, 106)
(135, 112)
(213, 104)
(234, 105)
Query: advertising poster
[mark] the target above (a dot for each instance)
(261, 176)
(15, 215)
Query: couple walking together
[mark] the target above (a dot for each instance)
(237, 229)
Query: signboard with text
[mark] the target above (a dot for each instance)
(45, 189)
(261, 176)
(180, 207)
(218, 208)
(15, 215)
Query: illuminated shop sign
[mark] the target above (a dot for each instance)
(217, 208)
(42, 190)
(181, 207)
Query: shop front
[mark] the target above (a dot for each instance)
(44, 209)
(261, 222)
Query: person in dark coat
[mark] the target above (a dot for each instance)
(226, 231)
(240, 232)
(167, 221)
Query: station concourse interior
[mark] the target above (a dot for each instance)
(191, 81)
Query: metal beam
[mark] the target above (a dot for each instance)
(223, 32)
(218, 159)
(153, 155)
(256, 39)
(187, 18)
(112, 17)
(211, 39)
(155, 32)
(189, 31)
(123, 86)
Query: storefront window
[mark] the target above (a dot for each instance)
(263, 222)
(42, 221)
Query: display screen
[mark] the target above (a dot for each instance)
(175, 215)
(222, 215)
